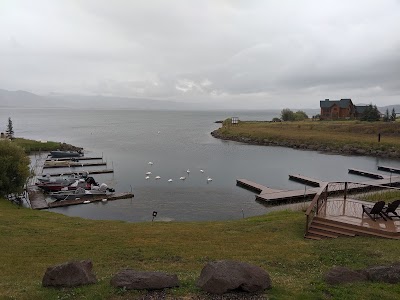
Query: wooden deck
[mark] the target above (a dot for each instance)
(36, 198)
(339, 217)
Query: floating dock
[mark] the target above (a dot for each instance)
(306, 180)
(282, 196)
(255, 187)
(101, 198)
(37, 199)
(273, 196)
(72, 165)
(389, 169)
(81, 172)
(367, 174)
(73, 158)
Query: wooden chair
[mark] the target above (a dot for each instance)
(375, 211)
(391, 209)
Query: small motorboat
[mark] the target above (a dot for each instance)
(59, 153)
(80, 192)
(68, 185)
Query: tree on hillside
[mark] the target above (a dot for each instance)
(300, 115)
(14, 168)
(287, 115)
(393, 115)
(10, 130)
(371, 114)
(386, 117)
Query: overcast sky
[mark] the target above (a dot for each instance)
(253, 54)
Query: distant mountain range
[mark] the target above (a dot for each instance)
(23, 99)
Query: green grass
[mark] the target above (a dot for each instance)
(32, 146)
(387, 196)
(333, 134)
(30, 241)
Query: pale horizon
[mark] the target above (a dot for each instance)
(249, 55)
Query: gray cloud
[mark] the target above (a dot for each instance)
(271, 54)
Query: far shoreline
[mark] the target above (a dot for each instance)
(351, 148)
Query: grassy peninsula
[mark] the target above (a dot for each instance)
(30, 241)
(346, 137)
(33, 146)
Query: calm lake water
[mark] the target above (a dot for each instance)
(176, 142)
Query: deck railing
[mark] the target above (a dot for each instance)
(341, 189)
(316, 204)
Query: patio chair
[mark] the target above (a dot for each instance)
(391, 209)
(375, 211)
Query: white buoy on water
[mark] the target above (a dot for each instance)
(202, 171)
(104, 200)
(182, 178)
(148, 173)
(188, 171)
(209, 179)
(157, 177)
(170, 180)
(147, 177)
(150, 163)
(86, 201)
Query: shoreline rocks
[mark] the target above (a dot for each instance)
(345, 150)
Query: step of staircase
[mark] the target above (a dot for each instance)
(321, 233)
(353, 229)
(312, 237)
(336, 231)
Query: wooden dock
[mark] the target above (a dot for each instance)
(73, 158)
(91, 199)
(282, 196)
(367, 174)
(73, 165)
(273, 196)
(389, 169)
(306, 180)
(36, 198)
(255, 187)
(81, 172)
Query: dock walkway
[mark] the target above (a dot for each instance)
(306, 180)
(67, 164)
(367, 174)
(252, 186)
(389, 169)
(81, 172)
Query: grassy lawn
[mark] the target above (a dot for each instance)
(31, 145)
(30, 241)
(333, 134)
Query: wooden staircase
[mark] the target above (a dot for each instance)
(321, 228)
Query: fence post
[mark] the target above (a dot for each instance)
(345, 190)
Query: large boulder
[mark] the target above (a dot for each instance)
(389, 274)
(339, 275)
(131, 279)
(69, 274)
(222, 276)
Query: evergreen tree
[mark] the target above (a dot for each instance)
(393, 115)
(10, 130)
(371, 114)
(386, 118)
